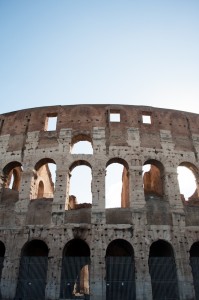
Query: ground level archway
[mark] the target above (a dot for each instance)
(33, 271)
(120, 271)
(75, 271)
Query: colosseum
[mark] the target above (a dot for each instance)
(53, 246)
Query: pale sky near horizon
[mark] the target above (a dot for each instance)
(137, 52)
(115, 51)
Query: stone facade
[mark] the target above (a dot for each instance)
(35, 213)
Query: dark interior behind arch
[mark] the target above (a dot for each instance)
(162, 269)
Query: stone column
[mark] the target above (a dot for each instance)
(98, 177)
(136, 190)
(143, 279)
(25, 193)
(98, 187)
(98, 268)
(54, 274)
(98, 195)
(61, 195)
(9, 278)
(65, 140)
(99, 140)
(142, 275)
(171, 188)
(172, 195)
(184, 272)
(2, 184)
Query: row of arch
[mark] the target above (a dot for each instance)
(120, 270)
(117, 172)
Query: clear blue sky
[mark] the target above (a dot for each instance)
(139, 52)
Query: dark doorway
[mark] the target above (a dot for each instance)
(75, 271)
(120, 271)
(162, 269)
(33, 271)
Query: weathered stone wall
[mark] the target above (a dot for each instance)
(156, 212)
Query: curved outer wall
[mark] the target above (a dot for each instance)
(171, 139)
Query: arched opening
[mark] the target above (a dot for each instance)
(117, 183)
(153, 179)
(80, 195)
(81, 144)
(163, 273)
(43, 185)
(194, 261)
(120, 271)
(12, 175)
(75, 270)
(32, 271)
(188, 176)
(2, 253)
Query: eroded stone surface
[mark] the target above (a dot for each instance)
(155, 211)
